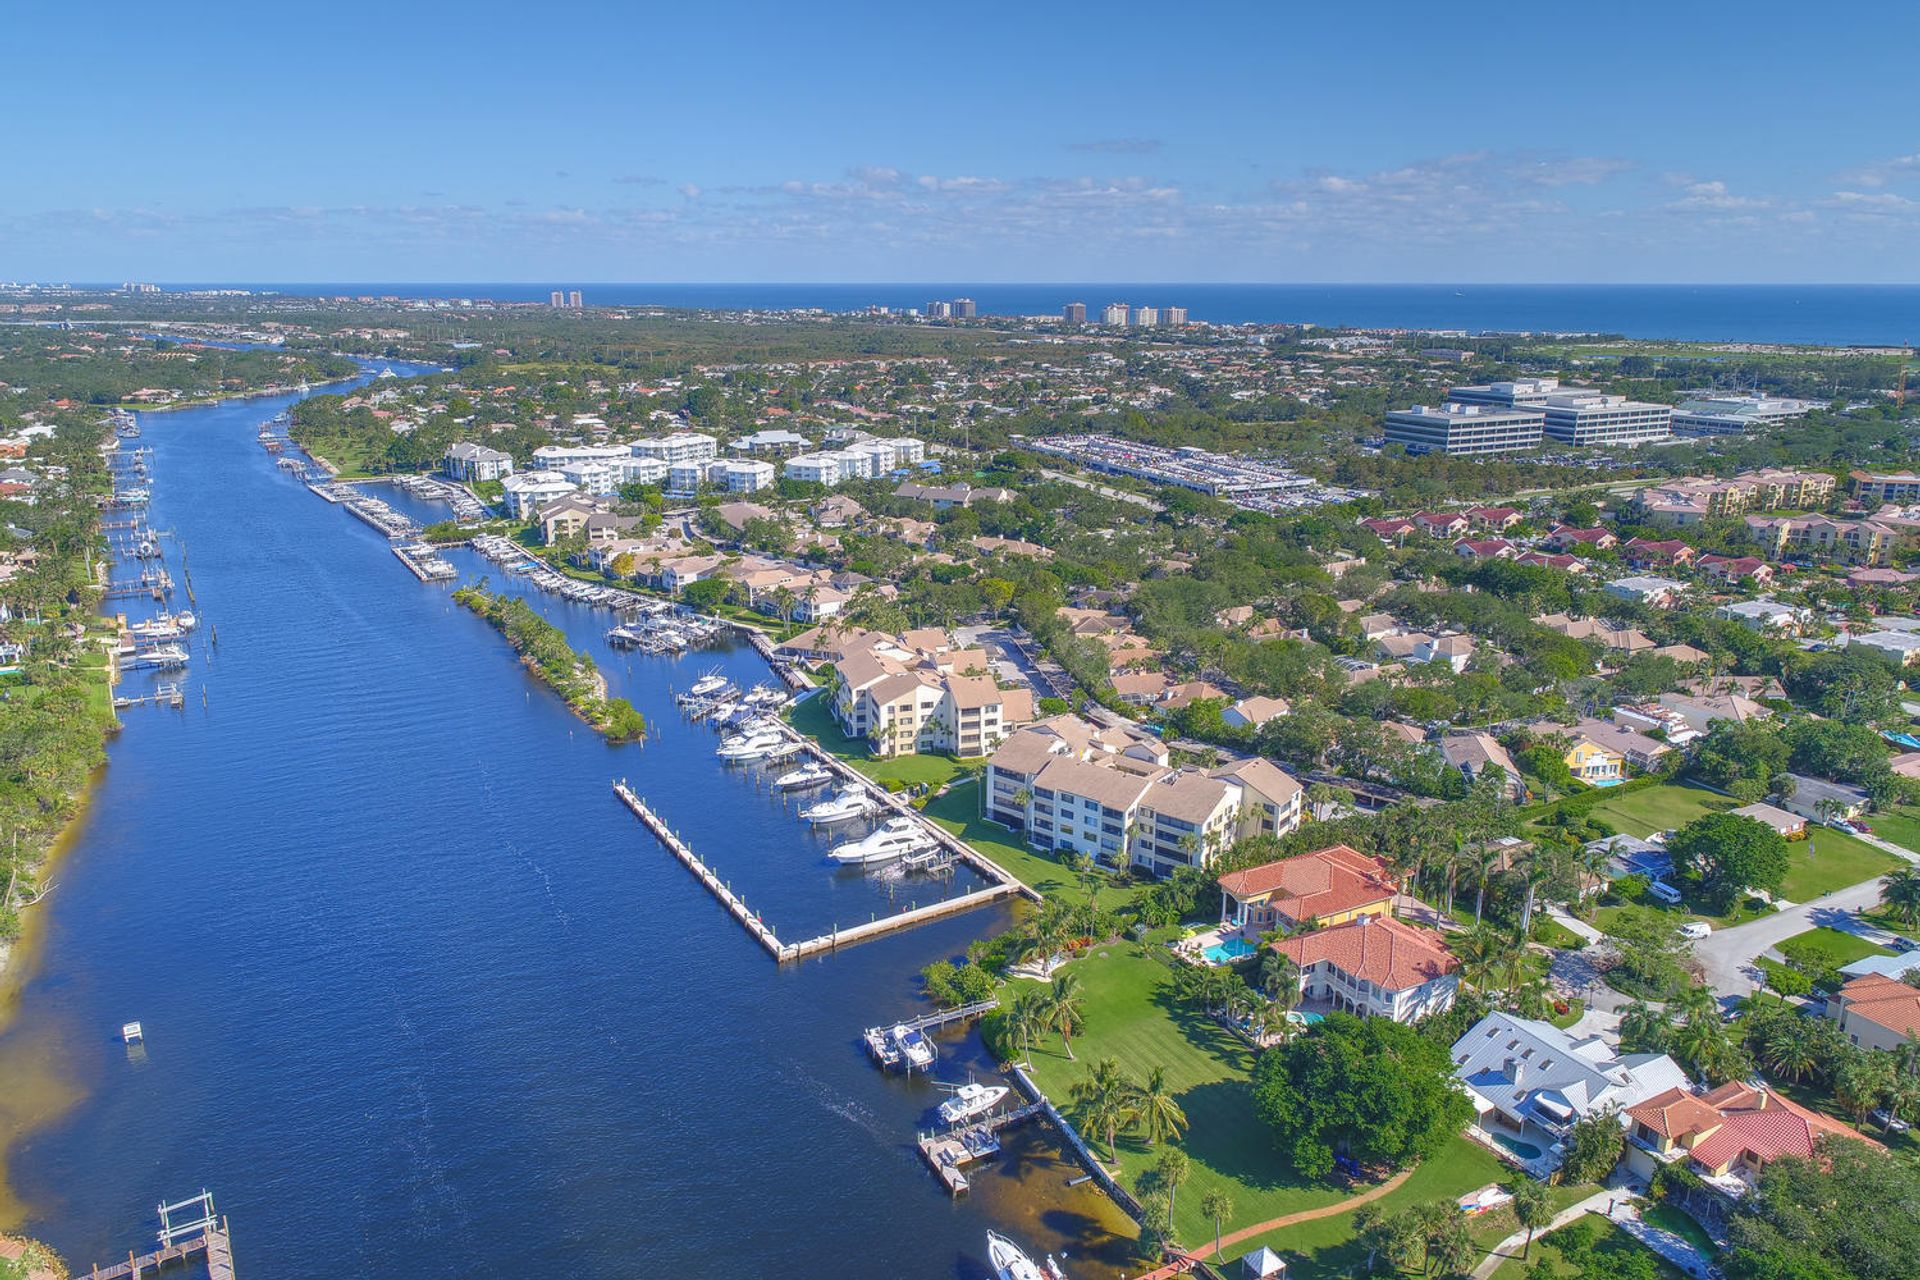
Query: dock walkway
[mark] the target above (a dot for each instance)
(948, 1153)
(212, 1246)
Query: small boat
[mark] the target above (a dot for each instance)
(748, 746)
(811, 774)
(913, 1046)
(787, 750)
(1009, 1261)
(1055, 1270)
(708, 685)
(971, 1100)
(839, 807)
(893, 838)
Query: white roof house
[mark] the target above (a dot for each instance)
(1530, 1082)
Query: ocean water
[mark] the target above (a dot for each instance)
(1839, 315)
(422, 999)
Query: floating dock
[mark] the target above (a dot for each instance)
(948, 1154)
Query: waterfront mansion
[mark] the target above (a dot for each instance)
(1111, 794)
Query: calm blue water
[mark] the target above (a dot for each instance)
(421, 998)
(1831, 314)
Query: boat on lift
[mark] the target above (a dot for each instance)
(709, 685)
(971, 1100)
(748, 746)
(786, 751)
(915, 1049)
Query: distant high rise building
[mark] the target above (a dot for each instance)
(1074, 313)
(1176, 317)
(573, 299)
(1114, 313)
(1146, 317)
(963, 309)
(939, 310)
(559, 299)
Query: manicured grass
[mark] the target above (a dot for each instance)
(1547, 1259)
(1828, 860)
(1663, 808)
(1900, 826)
(1668, 1218)
(959, 812)
(1131, 1017)
(1835, 947)
(814, 717)
(1883, 920)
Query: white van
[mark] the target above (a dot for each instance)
(1664, 892)
(1696, 930)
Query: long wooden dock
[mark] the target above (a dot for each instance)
(735, 905)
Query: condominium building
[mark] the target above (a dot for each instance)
(472, 462)
(1898, 486)
(746, 476)
(1691, 499)
(685, 478)
(527, 491)
(681, 446)
(1176, 317)
(1114, 314)
(1146, 317)
(552, 457)
(938, 310)
(1074, 313)
(963, 309)
(863, 460)
(1458, 428)
(1869, 542)
(920, 692)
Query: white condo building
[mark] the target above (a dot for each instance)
(471, 462)
(1115, 314)
(746, 476)
(527, 490)
(1465, 428)
(681, 446)
(552, 457)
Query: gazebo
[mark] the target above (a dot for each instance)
(1264, 1264)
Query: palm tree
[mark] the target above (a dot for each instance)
(1532, 1206)
(1105, 1096)
(1218, 1205)
(1481, 952)
(1482, 861)
(1900, 891)
(1169, 1171)
(1064, 1013)
(1027, 1017)
(1160, 1114)
(1863, 1083)
(1280, 979)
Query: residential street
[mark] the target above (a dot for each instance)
(1728, 955)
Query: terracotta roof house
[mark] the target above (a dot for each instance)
(1649, 553)
(1565, 537)
(1498, 519)
(1554, 560)
(1485, 549)
(1389, 530)
(1375, 967)
(1139, 687)
(1682, 653)
(1474, 753)
(1876, 1012)
(1251, 713)
(1192, 691)
(1328, 886)
(1727, 1135)
(1442, 524)
(1732, 569)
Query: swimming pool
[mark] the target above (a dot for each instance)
(1525, 1150)
(1229, 950)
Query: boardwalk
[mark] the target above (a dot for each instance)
(213, 1247)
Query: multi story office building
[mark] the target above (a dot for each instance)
(1465, 428)
(1114, 314)
(1520, 392)
(1731, 415)
(1074, 313)
(1600, 420)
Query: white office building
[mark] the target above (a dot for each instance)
(1515, 394)
(1732, 415)
(527, 491)
(681, 446)
(1464, 428)
(1600, 420)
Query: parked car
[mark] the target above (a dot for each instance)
(1664, 892)
(1893, 1123)
(1696, 930)
(1856, 825)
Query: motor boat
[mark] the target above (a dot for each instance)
(1009, 1261)
(787, 750)
(892, 839)
(748, 746)
(811, 774)
(708, 685)
(971, 1100)
(839, 807)
(915, 1049)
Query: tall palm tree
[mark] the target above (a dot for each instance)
(1027, 1017)
(1482, 861)
(1863, 1083)
(1160, 1114)
(1900, 891)
(1789, 1049)
(1064, 1012)
(1105, 1098)
(1532, 1206)
(1218, 1205)
(1280, 979)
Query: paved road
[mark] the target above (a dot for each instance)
(1728, 955)
(1513, 1245)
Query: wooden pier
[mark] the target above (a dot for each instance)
(948, 1153)
(735, 905)
(203, 1236)
(884, 1053)
(167, 695)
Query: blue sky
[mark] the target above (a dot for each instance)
(1382, 141)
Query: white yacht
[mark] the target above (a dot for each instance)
(811, 774)
(1009, 1261)
(748, 746)
(839, 807)
(914, 1047)
(893, 838)
(971, 1100)
(787, 750)
(708, 685)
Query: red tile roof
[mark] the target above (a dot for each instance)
(1887, 1001)
(1763, 1123)
(1380, 950)
(1322, 883)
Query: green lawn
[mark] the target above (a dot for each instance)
(814, 717)
(1668, 1218)
(959, 812)
(1835, 947)
(1131, 1017)
(1900, 825)
(1547, 1260)
(1826, 861)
